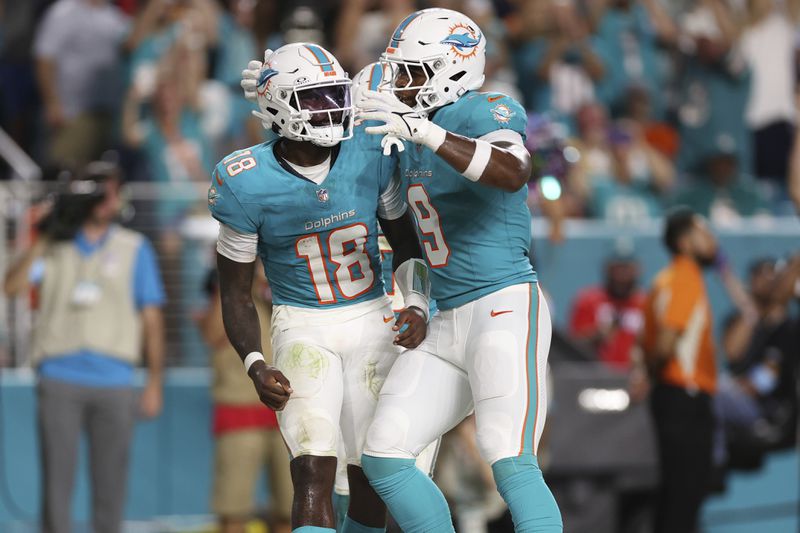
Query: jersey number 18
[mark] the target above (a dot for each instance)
(352, 272)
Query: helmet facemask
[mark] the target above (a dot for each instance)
(321, 113)
(411, 76)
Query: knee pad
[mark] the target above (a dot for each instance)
(494, 436)
(496, 364)
(388, 432)
(308, 431)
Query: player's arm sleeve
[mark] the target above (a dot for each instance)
(238, 231)
(226, 207)
(391, 203)
(237, 246)
(148, 289)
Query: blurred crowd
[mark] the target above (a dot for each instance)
(635, 105)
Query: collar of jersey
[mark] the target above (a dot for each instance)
(288, 168)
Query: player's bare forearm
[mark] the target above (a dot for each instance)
(505, 170)
(238, 309)
(401, 234)
(244, 331)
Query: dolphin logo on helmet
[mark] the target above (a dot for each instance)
(461, 41)
(266, 74)
(263, 80)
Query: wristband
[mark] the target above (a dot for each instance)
(251, 358)
(480, 159)
(434, 136)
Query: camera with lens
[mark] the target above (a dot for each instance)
(74, 201)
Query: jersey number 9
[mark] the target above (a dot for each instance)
(437, 252)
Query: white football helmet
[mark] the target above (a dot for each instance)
(303, 94)
(449, 47)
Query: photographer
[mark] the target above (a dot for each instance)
(99, 299)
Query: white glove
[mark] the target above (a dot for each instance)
(251, 75)
(399, 120)
(390, 141)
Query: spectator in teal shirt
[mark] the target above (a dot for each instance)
(557, 70)
(246, 27)
(626, 40)
(721, 192)
(714, 89)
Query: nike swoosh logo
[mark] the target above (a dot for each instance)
(219, 180)
(498, 313)
(387, 319)
(494, 98)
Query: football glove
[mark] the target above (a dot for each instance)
(399, 120)
(250, 77)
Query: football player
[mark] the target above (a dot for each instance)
(308, 204)
(369, 78)
(466, 169)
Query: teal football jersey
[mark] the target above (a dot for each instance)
(318, 243)
(476, 238)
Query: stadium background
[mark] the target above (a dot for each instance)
(201, 45)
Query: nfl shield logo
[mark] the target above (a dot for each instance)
(322, 195)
